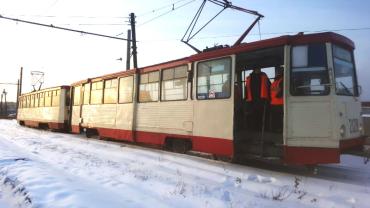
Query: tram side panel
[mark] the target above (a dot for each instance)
(53, 117)
(157, 121)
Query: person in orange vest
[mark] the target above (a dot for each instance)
(257, 95)
(257, 86)
(277, 101)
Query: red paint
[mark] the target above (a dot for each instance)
(276, 42)
(217, 146)
(169, 64)
(75, 129)
(351, 143)
(117, 134)
(310, 155)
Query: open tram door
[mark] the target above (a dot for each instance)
(258, 129)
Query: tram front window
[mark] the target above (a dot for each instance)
(309, 75)
(344, 72)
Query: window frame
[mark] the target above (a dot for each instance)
(355, 80)
(74, 95)
(104, 88)
(186, 87)
(102, 92)
(197, 75)
(159, 86)
(83, 93)
(132, 91)
(58, 96)
(328, 91)
(51, 100)
(42, 99)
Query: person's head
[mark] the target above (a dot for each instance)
(279, 71)
(257, 70)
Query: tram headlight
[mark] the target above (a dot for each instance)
(342, 131)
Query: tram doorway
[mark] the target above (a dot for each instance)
(258, 125)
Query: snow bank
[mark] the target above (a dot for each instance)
(62, 170)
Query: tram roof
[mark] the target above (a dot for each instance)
(46, 89)
(298, 39)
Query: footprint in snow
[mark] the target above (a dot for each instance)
(260, 179)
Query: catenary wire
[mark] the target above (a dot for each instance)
(165, 13)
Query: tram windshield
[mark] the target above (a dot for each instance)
(344, 72)
(309, 75)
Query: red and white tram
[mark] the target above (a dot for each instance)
(47, 108)
(198, 103)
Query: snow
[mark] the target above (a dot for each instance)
(46, 169)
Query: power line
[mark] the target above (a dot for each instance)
(95, 24)
(75, 16)
(165, 13)
(61, 28)
(160, 8)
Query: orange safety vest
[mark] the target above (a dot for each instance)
(275, 90)
(264, 88)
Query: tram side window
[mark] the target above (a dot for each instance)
(48, 99)
(96, 92)
(174, 83)
(37, 96)
(24, 102)
(77, 95)
(86, 94)
(42, 100)
(28, 101)
(56, 97)
(213, 79)
(309, 75)
(344, 72)
(110, 91)
(126, 87)
(32, 101)
(149, 84)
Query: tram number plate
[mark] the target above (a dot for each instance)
(353, 125)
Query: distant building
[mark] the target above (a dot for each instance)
(365, 107)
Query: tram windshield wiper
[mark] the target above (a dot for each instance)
(346, 88)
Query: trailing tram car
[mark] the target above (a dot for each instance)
(198, 103)
(46, 109)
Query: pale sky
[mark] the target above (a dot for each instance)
(66, 57)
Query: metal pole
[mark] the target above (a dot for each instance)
(17, 103)
(20, 81)
(6, 107)
(1, 105)
(241, 38)
(128, 56)
(136, 77)
(134, 48)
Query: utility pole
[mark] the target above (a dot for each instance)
(17, 101)
(20, 81)
(1, 105)
(136, 77)
(134, 49)
(19, 90)
(128, 57)
(6, 107)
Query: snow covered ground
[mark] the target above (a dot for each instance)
(46, 169)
